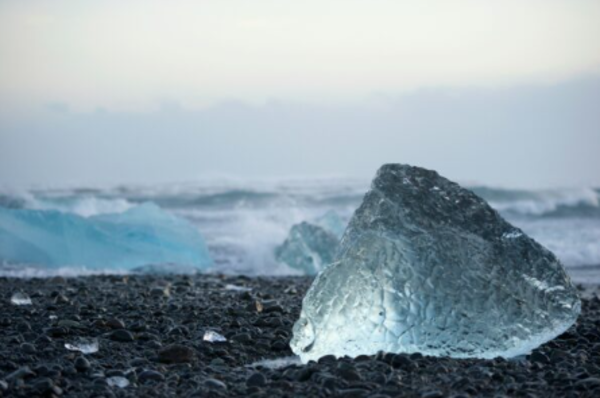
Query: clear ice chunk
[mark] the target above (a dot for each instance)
(332, 223)
(310, 246)
(427, 266)
(20, 298)
(142, 235)
(83, 345)
(117, 381)
(237, 288)
(213, 337)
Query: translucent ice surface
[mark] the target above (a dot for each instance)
(83, 345)
(213, 337)
(142, 235)
(332, 223)
(20, 298)
(427, 266)
(308, 248)
(117, 381)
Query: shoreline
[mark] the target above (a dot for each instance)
(150, 332)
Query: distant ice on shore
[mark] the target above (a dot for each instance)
(140, 236)
(242, 222)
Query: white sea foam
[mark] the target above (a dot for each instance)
(243, 221)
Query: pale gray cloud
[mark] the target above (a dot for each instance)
(531, 136)
(127, 55)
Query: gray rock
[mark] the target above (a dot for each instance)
(427, 266)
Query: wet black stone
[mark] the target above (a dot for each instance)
(256, 380)
(279, 345)
(21, 373)
(353, 393)
(588, 383)
(114, 323)
(539, 357)
(150, 375)
(28, 348)
(82, 364)
(176, 353)
(349, 374)
(122, 335)
(242, 338)
(215, 384)
(56, 331)
(401, 361)
(432, 394)
(43, 385)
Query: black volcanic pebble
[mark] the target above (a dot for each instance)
(150, 375)
(43, 385)
(82, 364)
(115, 323)
(28, 348)
(122, 335)
(20, 373)
(156, 343)
(256, 380)
(215, 384)
(176, 353)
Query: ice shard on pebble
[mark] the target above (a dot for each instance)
(213, 337)
(84, 345)
(20, 298)
(139, 236)
(427, 266)
(117, 381)
(310, 246)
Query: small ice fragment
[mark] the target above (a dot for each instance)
(53, 317)
(308, 248)
(237, 288)
(277, 362)
(85, 346)
(20, 298)
(117, 381)
(213, 337)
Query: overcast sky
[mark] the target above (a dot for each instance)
(502, 93)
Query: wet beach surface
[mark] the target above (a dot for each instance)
(150, 333)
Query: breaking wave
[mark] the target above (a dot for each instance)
(242, 222)
(583, 202)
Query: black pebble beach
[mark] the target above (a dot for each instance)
(150, 331)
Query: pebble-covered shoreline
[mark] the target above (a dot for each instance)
(150, 333)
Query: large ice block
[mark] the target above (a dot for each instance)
(427, 266)
(140, 236)
(310, 246)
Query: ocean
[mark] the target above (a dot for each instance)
(243, 221)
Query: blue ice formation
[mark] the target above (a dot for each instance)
(141, 236)
(332, 223)
(310, 246)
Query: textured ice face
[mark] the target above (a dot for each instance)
(427, 266)
(140, 236)
(310, 246)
